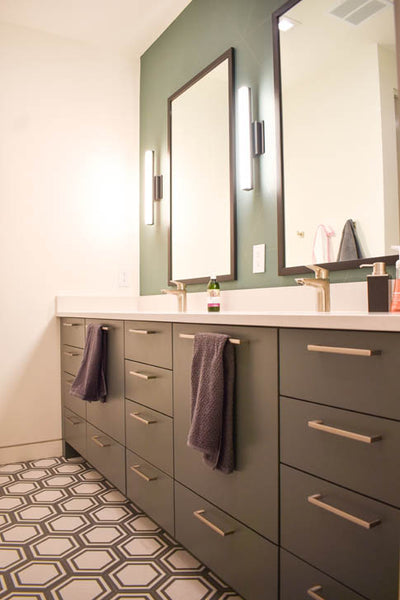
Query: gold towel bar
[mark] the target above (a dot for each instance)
(339, 350)
(190, 336)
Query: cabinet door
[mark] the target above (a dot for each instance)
(250, 493)
(72, 332)
(74, 431)
(109, 416)
(107, 456)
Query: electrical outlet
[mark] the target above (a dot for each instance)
(259, 258)
(123, 279)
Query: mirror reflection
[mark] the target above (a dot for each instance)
(200, 138)
(339, 132)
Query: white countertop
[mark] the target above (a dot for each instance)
(333, 320)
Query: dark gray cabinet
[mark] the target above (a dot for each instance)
(107, 455)
(250, 493)
(149, 342)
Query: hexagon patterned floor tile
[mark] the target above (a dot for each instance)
(66, 533)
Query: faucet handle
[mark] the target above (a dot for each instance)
(320, 272)
(179, 285)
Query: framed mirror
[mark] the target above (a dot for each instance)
(202, 175)
(338, 133)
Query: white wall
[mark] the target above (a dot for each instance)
(68, 206)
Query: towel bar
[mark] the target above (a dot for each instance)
(190, 336)
(104, 328)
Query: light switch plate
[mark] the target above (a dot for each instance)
(259, 258)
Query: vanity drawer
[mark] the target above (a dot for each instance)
(71, 359)
(250, 493)
(148, 385)
(299, 580)
(74, 428)
(150, 489)
(149, 342)
(359, 463)
(109, 416)
(73, 332)
(241, 557)
(366, 560)
(149, 433)
(311, 369)
(107, 456)
(77, 405)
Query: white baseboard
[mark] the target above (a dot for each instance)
(35, 451)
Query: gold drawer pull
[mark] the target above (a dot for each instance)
(199, 515)
(136, 469)
(366, 439)
(137, 416)
(70, 382)
(72, 324)
(142, 375)
(97, 441)
(73, 421)
(103, 328)
(190, 336)
(72, 353)
(141, 331)
(348, 351)
(316, 500)
(312, 592)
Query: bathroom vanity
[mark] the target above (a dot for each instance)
(312, 509)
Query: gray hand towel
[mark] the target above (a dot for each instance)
(349, 248)
(90, 383)
(213, 376)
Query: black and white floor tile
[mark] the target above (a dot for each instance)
(67, 534)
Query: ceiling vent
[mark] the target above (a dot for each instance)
(357, 11)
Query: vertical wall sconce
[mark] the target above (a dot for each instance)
(251, 139)
(152, 187)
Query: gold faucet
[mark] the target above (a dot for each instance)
(321, 283)
(180, 293)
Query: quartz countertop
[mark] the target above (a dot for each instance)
(333, 320)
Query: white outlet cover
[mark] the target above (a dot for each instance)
(259, 258)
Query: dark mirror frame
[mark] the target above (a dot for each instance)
(228, 55)
(282, 268)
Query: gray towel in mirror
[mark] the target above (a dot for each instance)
(349, 248)
(212, 378)
(90, 383)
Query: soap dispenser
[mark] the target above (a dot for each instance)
(378, 288)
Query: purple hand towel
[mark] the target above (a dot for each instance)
(213, 376)
(90, 383)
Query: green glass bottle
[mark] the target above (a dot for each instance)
(213, 295)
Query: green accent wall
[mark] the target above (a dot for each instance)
(201, 33)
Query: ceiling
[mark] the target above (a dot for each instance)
(127, 26)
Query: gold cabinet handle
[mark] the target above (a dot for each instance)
(190, 336)
(69, 382)
(141, 331)
(142, 375)
(199, 515)
(316, 499)
(136, 469)
(72, 324)
(338, 350)
(358, 437)
(72, 353)
(97, 441)
(312, 592)
(136, 415)
(72, 420)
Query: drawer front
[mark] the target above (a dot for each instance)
(250, 493)
(107, 456)
(299, 580)
(366, 462)
(150, 489)
(77, 405)
(109, 416)
(362, 383)
(71, 359)
(365, 560)
(242, 558)
(74, 428)
(148, 385)
(149, 433)
(149, 342)
(73, 332)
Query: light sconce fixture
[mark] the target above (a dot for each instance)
(251, 138)
(152, 187)
(285, 24)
